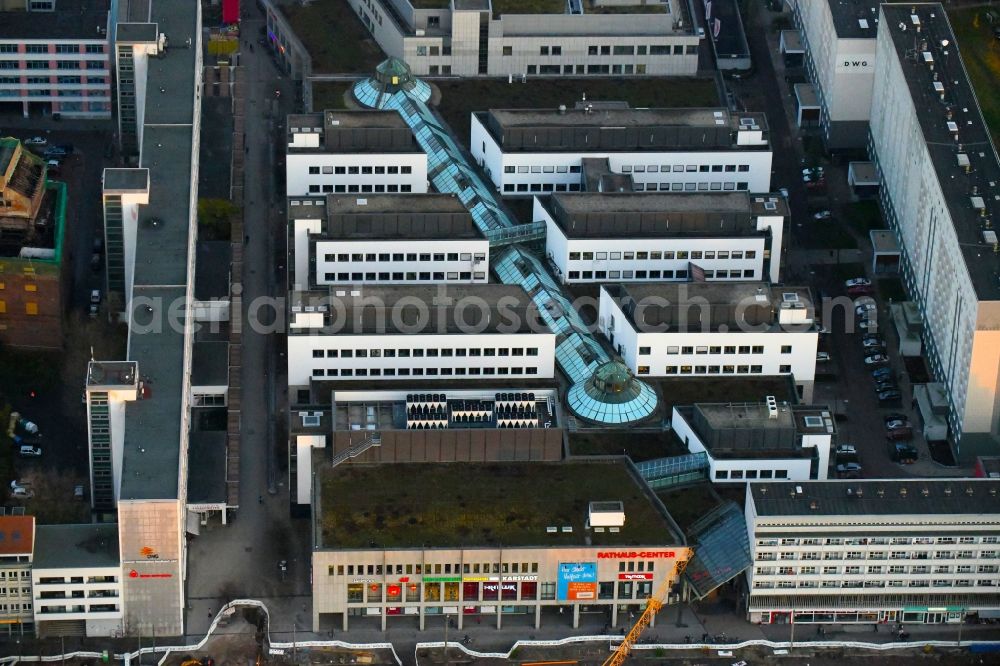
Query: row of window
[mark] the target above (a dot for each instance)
(739, 474)
(433, 569)
(392, 189)
(879, 555)
(716, 349)
(424, 353)
(841, 584)
(15, 591)
(360, 170)
(729, 186)
(608, 50)
(715, 370)
(467, 568)
(59, 64)
(30, 308)
(667, 255)
(857, 570)
(15, 574)
(60, 48)
(404, 276)
(420, 372)
(409, 256)
(877, 541)
(433, 51)
(636, 168)
(46, 92)
(657, 275)
(43, 80)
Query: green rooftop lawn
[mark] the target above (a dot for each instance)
(636, 444)
(652, 8)
(337, 41)
(981, 53)
(683, 391)
(478, 504)
(501, 7)
(460, 97)
(686, 505)
(330, 94)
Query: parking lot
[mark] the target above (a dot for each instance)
(827, 245)
(46, 387)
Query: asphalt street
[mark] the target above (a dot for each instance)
(241, 559)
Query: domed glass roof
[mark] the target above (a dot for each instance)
(391, 76)
(612, 395)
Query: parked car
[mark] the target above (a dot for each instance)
(78, 493)
(872, 342)
(813, 180)
(860, 290)
(822, 215)
(19, 491)
(868, 324)
(889, 418)
(890, 397)
(98, 244)
(886, 385)
(822, 357)
(846, 450)
(903, 453)
(851, 470)
(876, 359)
(858, 282)
(813, 171)
(892, 424)
(53, 165)
(36, 141)
(67, 148)
(95, 296)
(865, 310)
(54, 151)
(880, 373)
(28, 451)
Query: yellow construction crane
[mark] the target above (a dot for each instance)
(653, 606)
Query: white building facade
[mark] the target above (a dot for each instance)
(372, 334)
(709, 329)
(403, 239)
(874, 551)
(466, 38)
(760, 441)
(77, 579)
(597, 237)
(55, 58)
(340, 152)
(939, 208)
(664, 150)
(839, 40)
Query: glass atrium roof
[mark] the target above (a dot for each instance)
(391, 76)
(721, 548)
(578, 353)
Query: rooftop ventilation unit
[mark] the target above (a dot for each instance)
(772, 406)
(963, 162)
(790, 297)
